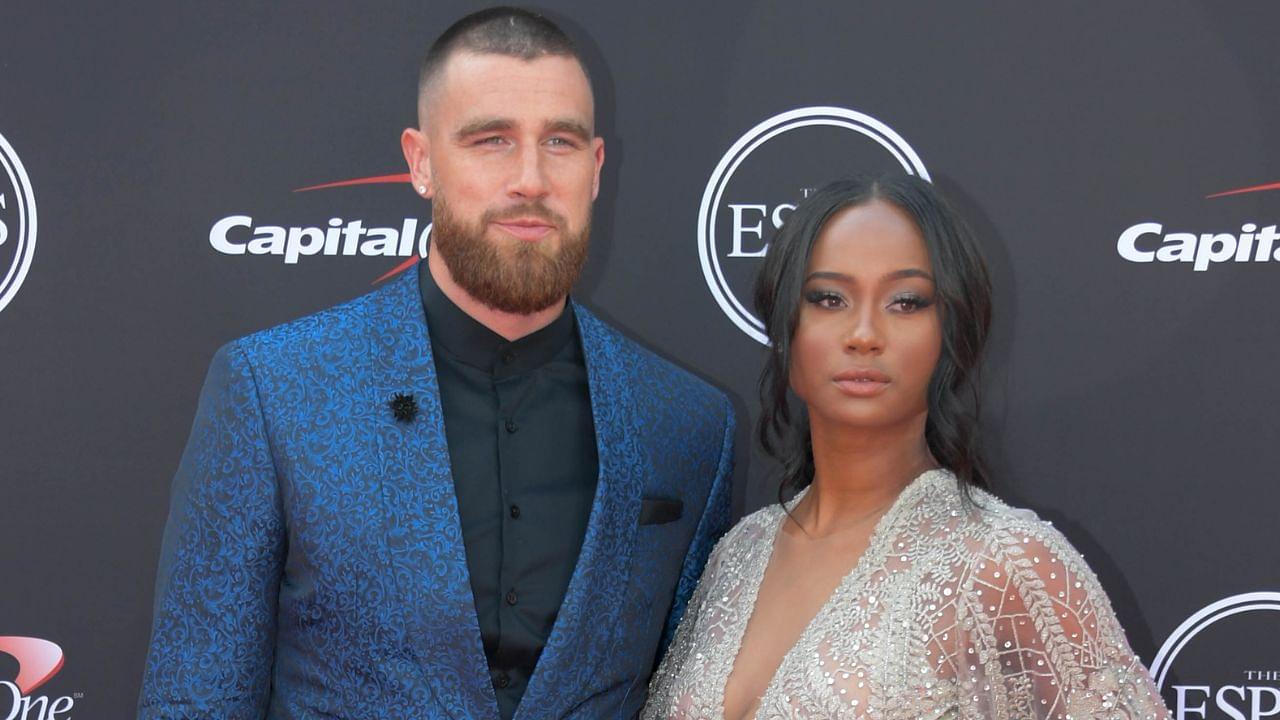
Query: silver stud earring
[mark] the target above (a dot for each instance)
(422, 189)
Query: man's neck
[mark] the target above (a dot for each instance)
(511, 326)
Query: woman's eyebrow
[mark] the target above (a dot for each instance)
(908, 273)
(895, 275)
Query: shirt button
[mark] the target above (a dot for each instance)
(512, 598)
(500, 680)
(508, 356)
(512, 426)
(515, 512)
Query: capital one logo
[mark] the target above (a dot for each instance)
(1224, 660)
(38, 661)
(17, 223)
(1152, 242)
(765, 174)
(243, 235)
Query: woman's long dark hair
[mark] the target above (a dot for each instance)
(964, 300)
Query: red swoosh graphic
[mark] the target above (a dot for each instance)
(1242, 191)
(373, 180)
(397, 269)
(38, 660)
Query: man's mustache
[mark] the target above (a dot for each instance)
(524, 210)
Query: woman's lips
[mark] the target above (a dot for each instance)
(862, 382)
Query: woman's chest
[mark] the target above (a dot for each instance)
(881, 646)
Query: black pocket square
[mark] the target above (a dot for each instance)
(659, 510)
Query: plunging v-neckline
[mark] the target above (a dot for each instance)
(848, 580)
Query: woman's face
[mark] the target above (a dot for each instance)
(869, 331)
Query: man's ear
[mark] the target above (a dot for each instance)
(417, 154)
(598, 143)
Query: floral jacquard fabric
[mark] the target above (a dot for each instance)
(313, 563)
(953, 611)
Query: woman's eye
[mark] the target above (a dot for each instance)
(824, 299)
(910, 303)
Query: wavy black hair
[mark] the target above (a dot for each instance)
(963, 290)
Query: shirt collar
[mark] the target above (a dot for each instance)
(465, 338)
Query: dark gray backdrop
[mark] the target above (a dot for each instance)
(1130, 403)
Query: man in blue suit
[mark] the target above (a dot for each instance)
(462, 495)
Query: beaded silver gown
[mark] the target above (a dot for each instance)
(952, 612)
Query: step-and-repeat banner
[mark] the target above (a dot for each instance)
(176, 175)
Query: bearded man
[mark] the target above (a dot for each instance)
(462, 495)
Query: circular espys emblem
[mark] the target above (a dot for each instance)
(17, 223)
(765, 173)
(1224, 660)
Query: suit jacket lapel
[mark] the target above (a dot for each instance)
(586, 627)
(423, 532)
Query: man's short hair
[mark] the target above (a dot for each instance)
(509, 31)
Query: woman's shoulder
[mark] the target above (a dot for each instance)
(756, 525)
(973, 513)
(752, 531)
(997, 520)
(1007, 537)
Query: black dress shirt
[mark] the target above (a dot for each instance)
(522, 447)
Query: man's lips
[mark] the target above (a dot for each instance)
(526, 228)
(861, 382)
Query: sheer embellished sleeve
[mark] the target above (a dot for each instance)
(691, 677)
(663, 698)
(1039, 638)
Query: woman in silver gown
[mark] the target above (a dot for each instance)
(892, 585)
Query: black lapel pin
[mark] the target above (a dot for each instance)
(404, 407)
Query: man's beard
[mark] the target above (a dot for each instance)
(516, 277)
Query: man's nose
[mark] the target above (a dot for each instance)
(530, 178)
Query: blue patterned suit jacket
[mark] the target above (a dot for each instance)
(313, 564)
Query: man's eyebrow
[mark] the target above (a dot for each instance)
(483, 125)
(570, 127)
(895, 275)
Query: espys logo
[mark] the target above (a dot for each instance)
(1224, 661)
(762, 177)
(1148, 242)
(242, 235)
(17, 223)
(38, 661)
